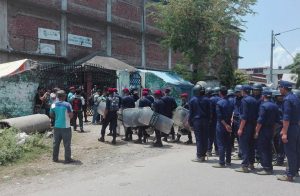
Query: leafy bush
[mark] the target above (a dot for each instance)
(10, 151)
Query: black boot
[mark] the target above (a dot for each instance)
(113, 141)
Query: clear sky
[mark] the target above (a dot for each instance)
(277, 15)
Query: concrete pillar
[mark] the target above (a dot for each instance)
(170, 59)
(3, 25)
(108, 35)
(64, 28)
(144, 24)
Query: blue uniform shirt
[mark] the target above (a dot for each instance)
(159, 107)
(128, 102)
(291, 108)
(249, 109)
(171, 105)
(150, 98)
(144, 102)
(213, 103)
(268, 114)
(237, 106)
(199, 108)
(224, 109)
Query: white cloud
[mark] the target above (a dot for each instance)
(282, 58)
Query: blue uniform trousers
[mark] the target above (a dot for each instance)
(212, 136)
(278, 144)
(224, 144)
(264, 146)
(235, 128)
(247, 144)
(201, 134)
(292, 149)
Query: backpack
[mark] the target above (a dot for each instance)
(114, 103)
(77, 104)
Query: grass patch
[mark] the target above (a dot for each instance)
(11, 151)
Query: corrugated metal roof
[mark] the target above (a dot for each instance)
(15, 67)
(109, 63)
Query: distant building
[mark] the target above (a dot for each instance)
(262, 75)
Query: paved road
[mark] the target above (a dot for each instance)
(170, 173)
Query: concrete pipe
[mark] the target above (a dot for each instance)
(28, 124)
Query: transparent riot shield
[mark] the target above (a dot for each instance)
(180, 116)
(130, 117)
(162, 123)
(145, 116)
(101, 107)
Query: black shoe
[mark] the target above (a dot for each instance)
(188, 142)
(55, 160)
(81, 130)
(87, 121)
(101, 139)
(138, 141)
(126, 139)
(110, 134)
(113, 142)
(118, 134)
(165, 139)
(157, 144)
(69, 161)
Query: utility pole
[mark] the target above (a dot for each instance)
(271, 61)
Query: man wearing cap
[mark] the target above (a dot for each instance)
(224, 109)
(290, 133)
(278, 144)
(110, 115)
(213, 122)
(184, 104)
(149, 96)
(158, 107)
(144, 102)
(268, 116)
(127, 102)
(236, 117)
(171, 105)
(248, 117)
(199, 116)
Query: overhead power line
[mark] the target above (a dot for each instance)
(284, 48)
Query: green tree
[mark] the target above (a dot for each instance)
(240, 78)
(183, 71)
(197, 28)
(226, 72)
(295, 67)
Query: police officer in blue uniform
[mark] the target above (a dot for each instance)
(278, 144)
(144, 102)
(110, 116)
(248, 117)
(149, 96)
(171, 105)
(236, 117)
(213, 122)
(199, 116)
(224, 109)
(290, 133)
(257, 92)
(268, 116)
(127, 102)
(159, 107)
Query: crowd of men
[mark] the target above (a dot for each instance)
(261, 120)
(264, 122)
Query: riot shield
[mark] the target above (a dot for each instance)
(161, 123)
(145, 116)
(180, 116)
(130, 117)
(101, 107)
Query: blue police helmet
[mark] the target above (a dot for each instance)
(285, 84)
(276, 93)
(246, 88)
(267, 92)
(230, 92)
(238, 88)
(208, 91)
(198, 90)
(216, 91)
(257, 86)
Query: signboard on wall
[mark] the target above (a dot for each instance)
(80, 41)
(47, 48)
(48, 34)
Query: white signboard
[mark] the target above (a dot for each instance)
(80, 40)
(48, 34)
(47, 48)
